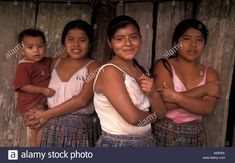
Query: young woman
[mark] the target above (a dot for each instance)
(188, 88)
(71, 121)
(123, 93)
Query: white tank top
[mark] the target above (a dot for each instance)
(111, 121)
(66, 90)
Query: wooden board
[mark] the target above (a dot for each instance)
(53, 17)
(142, 12)
(13, 18)
(169, 14)
(101, 50)
(219, 54)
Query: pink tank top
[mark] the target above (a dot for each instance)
(181, 115)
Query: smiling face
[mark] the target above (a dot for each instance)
(33, 48)
(76, 43)
(126, 42)
(193, 44)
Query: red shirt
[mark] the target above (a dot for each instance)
(34, 73)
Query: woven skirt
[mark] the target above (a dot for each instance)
(110, 140)
(71, 130)
(170, 134)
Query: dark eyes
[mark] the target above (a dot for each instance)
(71, 39)
(38, 46)
(119, 38)
(135, 36)
(188, 39)
(122, 38)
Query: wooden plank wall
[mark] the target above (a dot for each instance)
(51, 18)
(13, 19)
(168, 16)
(219, 54)
(142, 12)
(219, 51)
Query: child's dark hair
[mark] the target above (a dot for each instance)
(79, 24)
(185, 25)
(121, 22)
(31, 32)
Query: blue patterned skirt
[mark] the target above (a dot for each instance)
(110, 140)
(71, 130)
(170, 134)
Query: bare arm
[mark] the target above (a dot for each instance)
(73, 104)
(32, 89)
(204, 105)
(48, 92)
(163, 79)
(157, 104)
(111, 83)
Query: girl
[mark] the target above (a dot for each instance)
(71, 121)
(123, 93)
(188, 88)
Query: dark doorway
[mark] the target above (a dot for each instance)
(231, 115)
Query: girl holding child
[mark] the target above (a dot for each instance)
(70, 120)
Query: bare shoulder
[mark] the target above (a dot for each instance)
(172, 60)
(163, 67)
(110, 78)
(55, 60)
(212, 74)
(109, 71)
(159, 66)
(94, 65)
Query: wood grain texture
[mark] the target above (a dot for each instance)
(52, 18)
(101, 50)
(219, 54)
(13, 20)
(142, 13)
(169, 15)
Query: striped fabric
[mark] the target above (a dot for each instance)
(110, 140)
(71, 130)
(170, 134)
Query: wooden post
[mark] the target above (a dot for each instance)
(103, 15)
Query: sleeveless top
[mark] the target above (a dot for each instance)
(181, 115)
(111, 121)
(66, 90)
